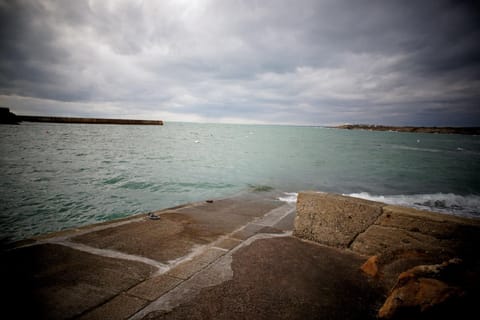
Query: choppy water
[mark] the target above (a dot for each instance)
(55, 176)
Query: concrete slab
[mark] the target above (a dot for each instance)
(228, 243)
(178, 231)
(170, 237)
(153, 288)
(248, 231)
(437, 225)
(186, 269)
(120, 307)
(287, 222)
(251, 205)
(331, 219)
(213, 275)
(378, 240)
(58, 282)
(300, 281)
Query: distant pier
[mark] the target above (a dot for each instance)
(89, 120)
(11, 118)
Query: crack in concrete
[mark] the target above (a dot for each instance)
(350, 244)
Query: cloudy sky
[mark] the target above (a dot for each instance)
(288, 62)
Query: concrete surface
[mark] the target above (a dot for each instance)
(333, 220)
(231, 258)
(278, 277)
(112, 270)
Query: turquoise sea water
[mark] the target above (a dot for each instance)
(56, 176)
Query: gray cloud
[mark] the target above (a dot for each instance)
(308, 62)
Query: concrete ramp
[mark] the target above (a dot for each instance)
(113, 270)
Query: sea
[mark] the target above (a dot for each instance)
(58, 176)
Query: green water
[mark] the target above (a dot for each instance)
(55, 176)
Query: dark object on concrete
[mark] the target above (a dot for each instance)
(89, 120)
(209, 201)
(153, 216)
(7, 117)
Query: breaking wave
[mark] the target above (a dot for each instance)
(466, 206)
(289, 197)
(450, 203)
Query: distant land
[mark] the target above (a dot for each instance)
(447, 130)
(7, 117)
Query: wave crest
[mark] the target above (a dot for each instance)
(468, 205)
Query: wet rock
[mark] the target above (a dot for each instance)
(421, 291)
(370, 266)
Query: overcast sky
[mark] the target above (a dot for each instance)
(288, 62)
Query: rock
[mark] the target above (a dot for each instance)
(420, 290)
(370, 266)
(417, 296)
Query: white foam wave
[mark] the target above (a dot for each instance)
(440, 202)
(418, 149)
(290, 197)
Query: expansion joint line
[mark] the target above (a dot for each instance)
(112, 254)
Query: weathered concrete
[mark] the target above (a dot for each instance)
(112, 270)
(333, 220)
(373, 228)
(300, 281)
(179, 230)
(235, 258)
(57, 282)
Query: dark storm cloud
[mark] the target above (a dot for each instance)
(307, 62)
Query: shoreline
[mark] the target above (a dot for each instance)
(413, 129)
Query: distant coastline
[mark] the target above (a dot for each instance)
(446, 130)
(8, 117)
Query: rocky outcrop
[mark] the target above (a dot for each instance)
(407, 250)
(421, 290)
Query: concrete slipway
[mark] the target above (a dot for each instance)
(231, 258)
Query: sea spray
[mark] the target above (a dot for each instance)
(468, 205)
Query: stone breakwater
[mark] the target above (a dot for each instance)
(88, 120)
(7, 117)
(428, 261)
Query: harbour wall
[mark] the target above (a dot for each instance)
(88, 120)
